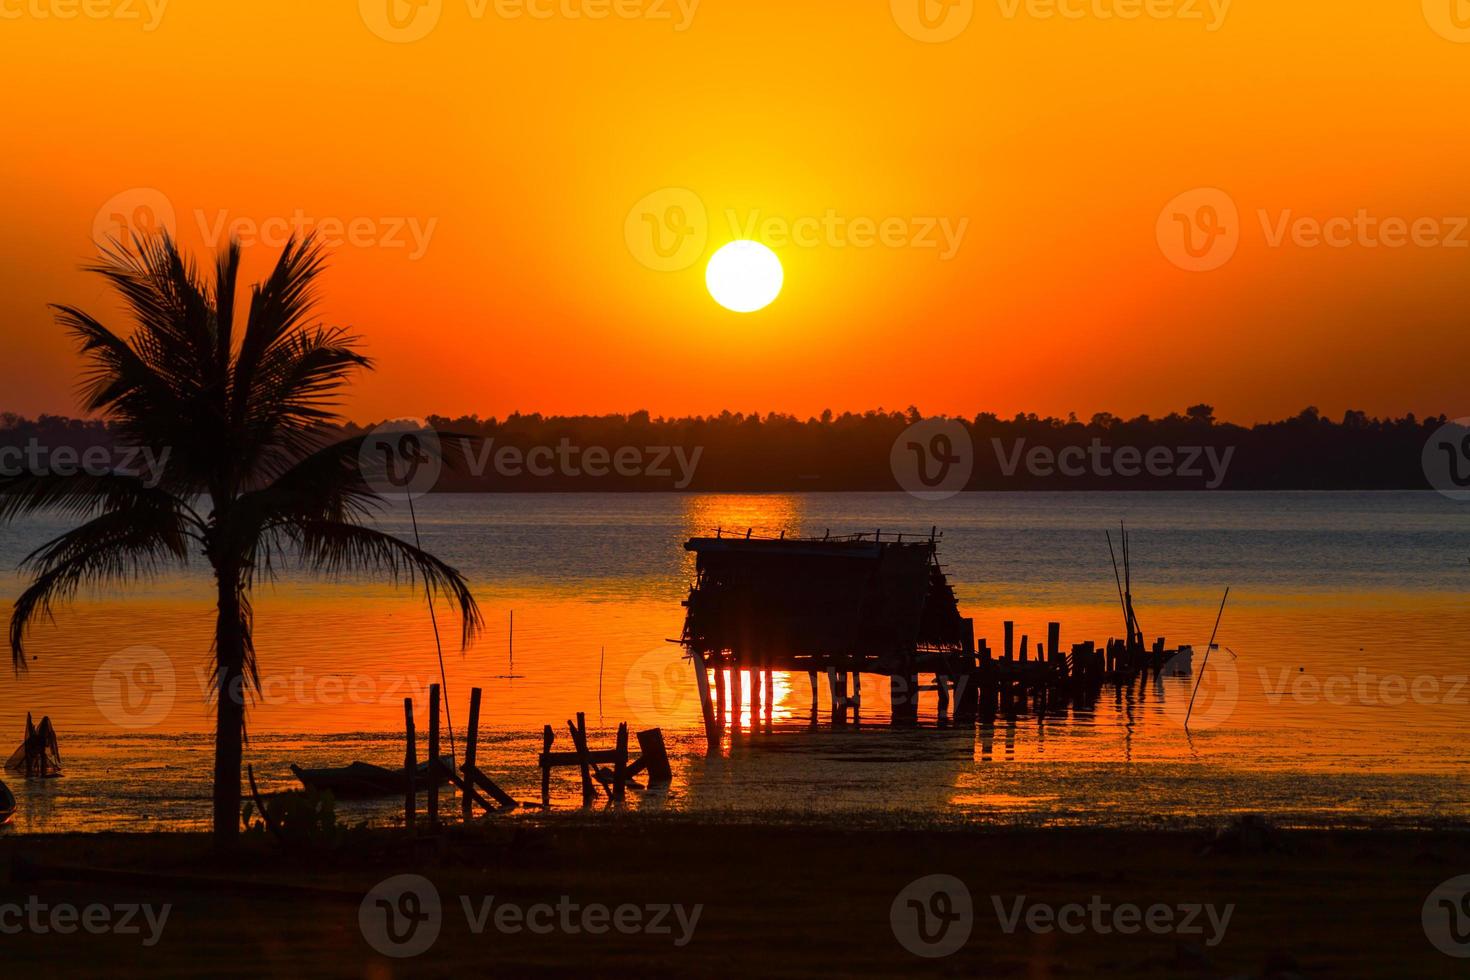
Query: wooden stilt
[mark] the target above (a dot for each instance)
(737, 697)
(410, 765)
(620, 766)
(701, 679)
(721, 705)
(433, 756)
(755, 692)
(472, 736)
(547, 737)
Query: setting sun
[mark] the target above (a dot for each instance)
(744, 277)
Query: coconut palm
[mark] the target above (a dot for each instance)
(252, 484)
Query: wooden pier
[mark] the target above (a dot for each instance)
(840, 608)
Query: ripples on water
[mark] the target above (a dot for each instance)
(1358, 592)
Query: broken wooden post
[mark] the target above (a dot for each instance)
(434, 756)
(579, 740)
(547, 737)
(1053, 636)
(1010, 647)
(655, 756)
(410, 766)
(620, 765)
(471, 737)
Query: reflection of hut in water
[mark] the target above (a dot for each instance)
(840, 606)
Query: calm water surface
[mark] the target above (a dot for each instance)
(1340, 693)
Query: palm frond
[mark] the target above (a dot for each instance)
(279, 308)
(338, 549)
(114, 548)
(83, 495)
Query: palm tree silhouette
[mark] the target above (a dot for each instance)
(253, 482)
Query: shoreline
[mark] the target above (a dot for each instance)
(818, 898)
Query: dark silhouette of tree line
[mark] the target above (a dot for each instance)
(736, 451)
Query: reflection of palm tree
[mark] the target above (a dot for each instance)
(240, 412)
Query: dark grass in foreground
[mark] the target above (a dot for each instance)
(802, 901)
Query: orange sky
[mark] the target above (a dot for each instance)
(518, 147)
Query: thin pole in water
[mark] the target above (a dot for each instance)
(600, 665)
(1206, 664)
(433, 618)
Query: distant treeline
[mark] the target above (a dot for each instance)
(880, 450)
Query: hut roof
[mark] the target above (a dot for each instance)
(862, 599)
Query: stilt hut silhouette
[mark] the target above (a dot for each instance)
(840, 606)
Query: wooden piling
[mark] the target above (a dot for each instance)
(721, 706)
(737, 695)
(547, 737)
(620, 766)
(655, 756)
(755, 692)
(472, 736)
(1010, 644)
(579, 741)
(701, 680)
(410, 765)
(433, 756)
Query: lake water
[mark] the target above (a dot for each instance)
(1339, 693)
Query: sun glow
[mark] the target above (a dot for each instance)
(744, 276)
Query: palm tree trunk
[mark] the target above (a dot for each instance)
(229, 729)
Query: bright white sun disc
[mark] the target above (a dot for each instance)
(744, 276)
